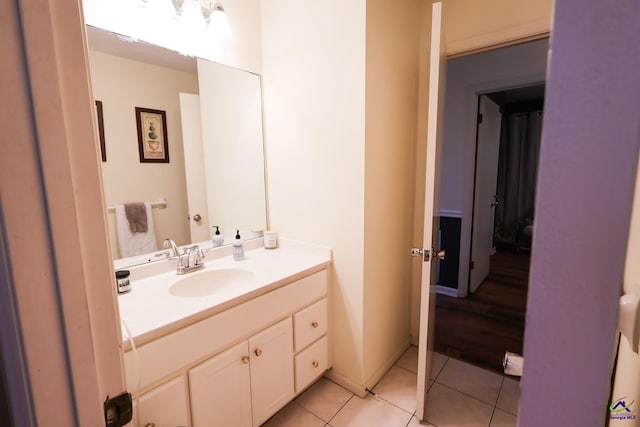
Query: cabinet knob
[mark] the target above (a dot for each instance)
(245, 359)
(314, 324)
(258, 352)
(315, 364)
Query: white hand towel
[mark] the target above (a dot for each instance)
(131, 244)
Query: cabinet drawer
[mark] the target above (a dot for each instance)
(311, 363)
(310, 324)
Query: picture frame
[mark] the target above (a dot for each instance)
(153, 144)
(103, 147)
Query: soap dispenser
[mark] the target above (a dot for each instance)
(218, 239)
(238, 248)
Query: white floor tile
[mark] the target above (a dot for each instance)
(324, 398)
(509, 396)
(398, 386)
(503, 419)
(448, 408)
(414, 422)
(409, 359)
(471, 380)
(294, 415)
(370, 412)
(437, 363)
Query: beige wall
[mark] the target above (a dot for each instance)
(391, 100)
(313, 75)
(341, 101)
(471, 25)
(123, 84)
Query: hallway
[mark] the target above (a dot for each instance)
(479, 329)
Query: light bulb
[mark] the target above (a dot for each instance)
(191, 17)
(218, 23)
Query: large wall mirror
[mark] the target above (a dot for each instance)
(213, 117)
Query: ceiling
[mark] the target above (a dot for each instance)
(521, 94)
(118, 45)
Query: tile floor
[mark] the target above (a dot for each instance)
(459, 394)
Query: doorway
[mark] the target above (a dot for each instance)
(490, 320)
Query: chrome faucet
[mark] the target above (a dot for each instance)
(170, 243)
(191, 260)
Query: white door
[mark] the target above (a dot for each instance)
(625, 399)
(194, 167)
(431, 222)
(487, 152)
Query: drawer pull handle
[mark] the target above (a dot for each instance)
(245, 359)
(258, 352)
(315, 364)
(149, 425)
(314, 324)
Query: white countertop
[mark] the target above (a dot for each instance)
(149, 310)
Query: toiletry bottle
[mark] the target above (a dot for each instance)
(218, 239)
(238, 248)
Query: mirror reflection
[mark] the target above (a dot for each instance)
(214, 175)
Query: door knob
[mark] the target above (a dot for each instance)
(197, 217)
(440, 254)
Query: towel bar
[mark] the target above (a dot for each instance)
(160, 203)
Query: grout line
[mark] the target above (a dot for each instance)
(492, 415)
(406, 369)
(462, 392)
(341, 408)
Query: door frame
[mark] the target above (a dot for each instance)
(470, 119)
(55, 216)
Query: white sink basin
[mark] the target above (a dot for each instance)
(207, 282)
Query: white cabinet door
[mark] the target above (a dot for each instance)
(165, 405)
(271, 370)
(221, 390)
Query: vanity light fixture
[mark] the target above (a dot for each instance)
(203, 14)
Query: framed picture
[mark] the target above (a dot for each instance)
(153, 145)
(103, 148)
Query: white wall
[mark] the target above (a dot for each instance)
(314, 96)
(121, 85)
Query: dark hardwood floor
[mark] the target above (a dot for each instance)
(479, 329)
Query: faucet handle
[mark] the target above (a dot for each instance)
(199, 256)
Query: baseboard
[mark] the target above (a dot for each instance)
(361, 389)
(341, 380)
(450, 213)
(444, 290)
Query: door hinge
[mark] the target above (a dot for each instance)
(472, 265)
(479, 118)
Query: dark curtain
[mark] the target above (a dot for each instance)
(517, 172)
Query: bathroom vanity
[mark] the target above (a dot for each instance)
(228, 345)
